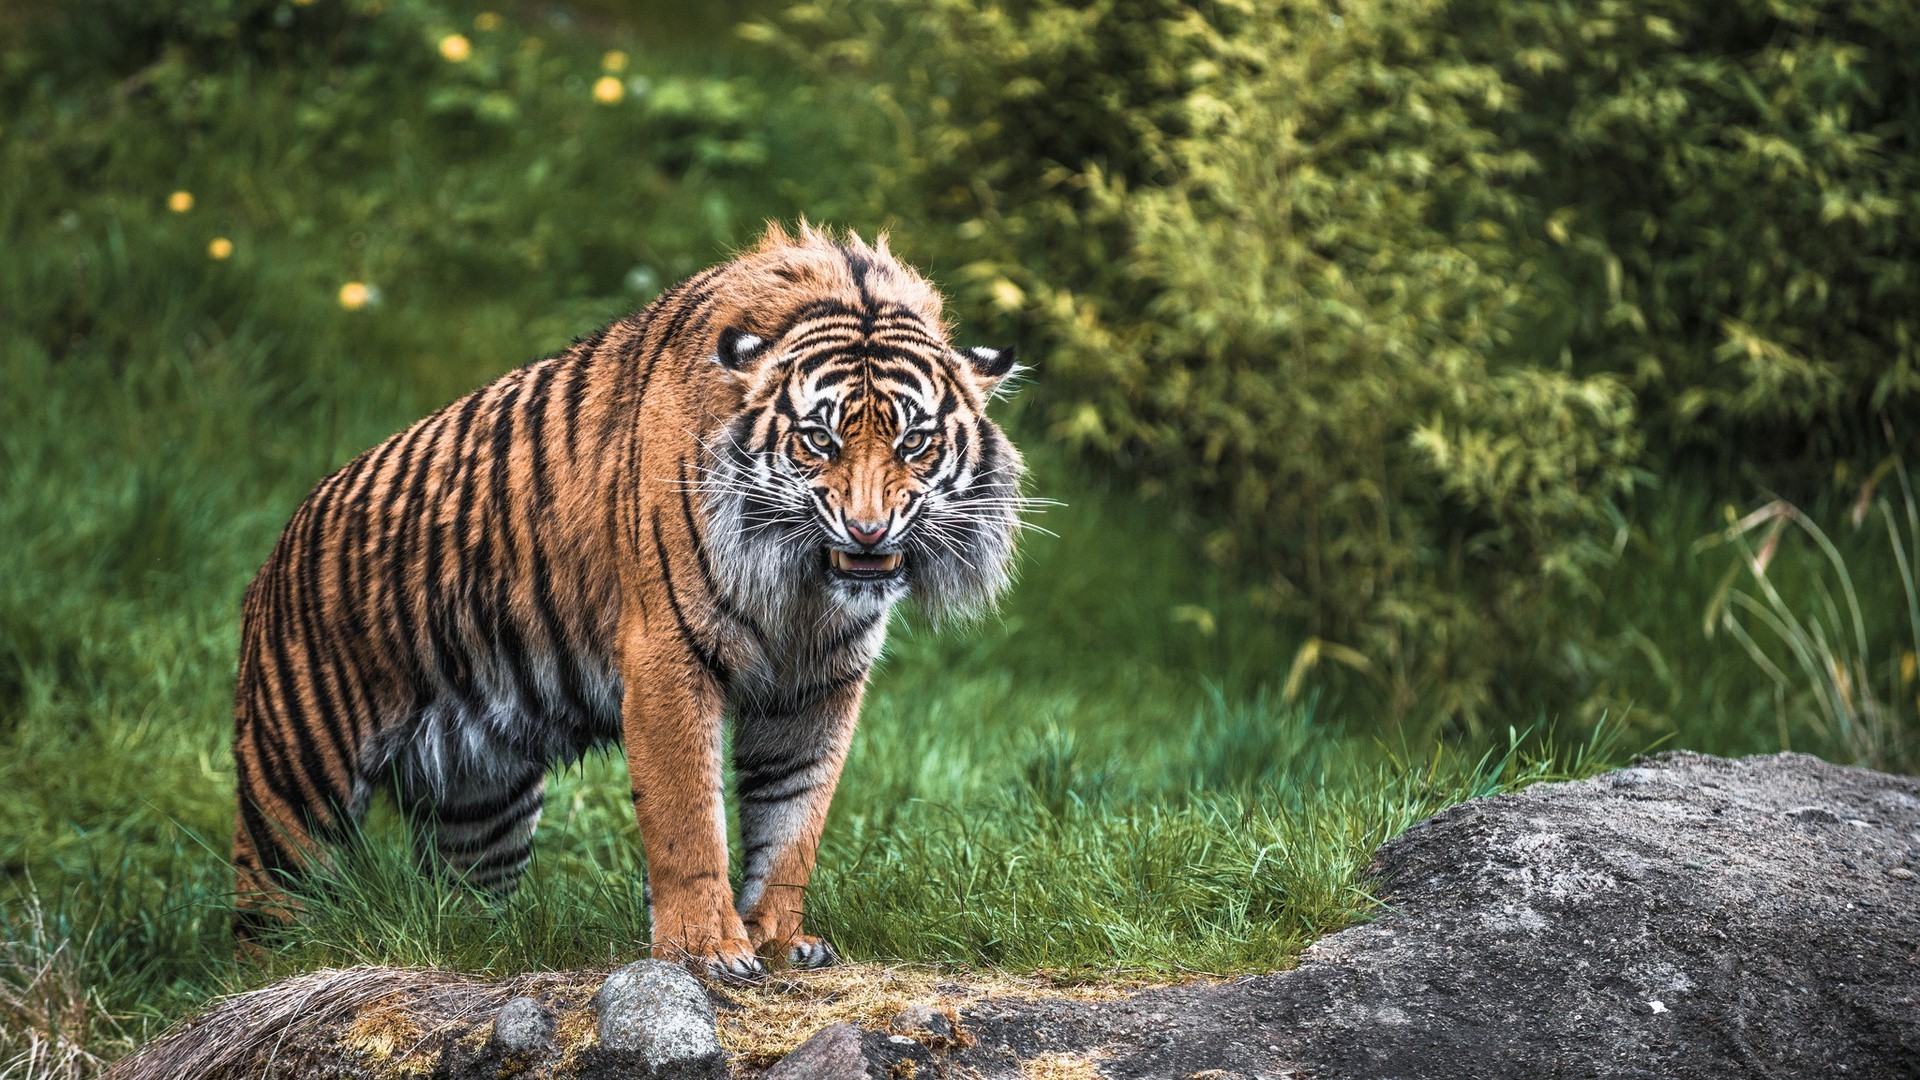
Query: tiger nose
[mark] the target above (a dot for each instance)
(867, 533)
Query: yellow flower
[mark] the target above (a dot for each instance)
(486, 20)
(614, 60)
(355, 295)
(456, 47)
(220, 248)
(607, 90)
(180, 202)
(1908, 663)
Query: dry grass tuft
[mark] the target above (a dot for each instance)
(384, 1014)
(386, 1033)
(1082, 1066)
(52, 1025)
(786, 1010)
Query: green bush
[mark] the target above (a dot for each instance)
(1736, 188)
(1394, 293)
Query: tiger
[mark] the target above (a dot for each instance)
(701, 515)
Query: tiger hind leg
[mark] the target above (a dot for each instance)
(481, 832)
(275, 846)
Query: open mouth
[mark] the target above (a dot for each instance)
(855, 565)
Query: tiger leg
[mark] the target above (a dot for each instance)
(786, 768)
(481, 832)
(297, 794)
(670, 721)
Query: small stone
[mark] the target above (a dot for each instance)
(922, 1022)
(833, 1053)
(522, 1027)
(657, 1012)
(1658, 1007)
(1900, 873)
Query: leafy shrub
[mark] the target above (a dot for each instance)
(1393, 293)
(1736, 190)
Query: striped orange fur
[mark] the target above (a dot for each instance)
(701, 513)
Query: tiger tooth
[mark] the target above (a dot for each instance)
(852, 563)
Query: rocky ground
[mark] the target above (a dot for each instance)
(1690, 916)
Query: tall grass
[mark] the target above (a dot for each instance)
(1844, 657)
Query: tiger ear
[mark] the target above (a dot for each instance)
(995, 364)
(737, 349)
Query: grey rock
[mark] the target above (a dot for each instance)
(833, 1053)
(848, 1052)
(923, 1023)
(656, 1015)
(523, 1026)
(1692, 916)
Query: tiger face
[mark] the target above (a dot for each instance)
(862, 467)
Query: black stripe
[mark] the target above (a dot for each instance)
(504, 859)
(276, 770)
(803, 699)
(687, 296)
(447, 658)
(503, 825)
(755, 772)
(859, 265)
(283, 694)
(320, 644)
(407, 542)
(567, 665)
(500, 505)
(390, 585)
(575, 392)
(763, 794)
(260, 832)
(707, 581)
(354, 561)
(706, 656)
(519, 803)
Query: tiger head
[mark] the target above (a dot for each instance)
(861, 466)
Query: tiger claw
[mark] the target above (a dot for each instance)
(735, 967)
(731, 962)
(812, 953)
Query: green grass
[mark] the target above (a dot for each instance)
(1104, 777)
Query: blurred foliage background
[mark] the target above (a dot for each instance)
(1446, 396)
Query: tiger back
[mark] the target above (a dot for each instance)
(701, 514)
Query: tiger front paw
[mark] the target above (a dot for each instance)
(807, 951)
(800, 951)
(728, 960)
